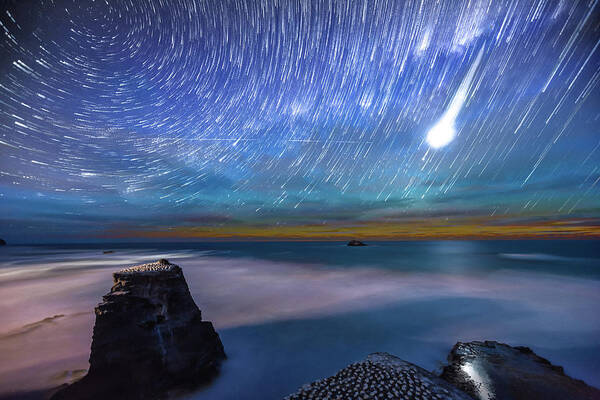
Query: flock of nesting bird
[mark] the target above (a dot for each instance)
(377, 379)
(158, 266)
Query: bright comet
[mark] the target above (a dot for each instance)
(443, 132)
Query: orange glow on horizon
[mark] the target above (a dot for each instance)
(471, 228)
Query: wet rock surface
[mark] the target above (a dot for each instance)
(380, 376)
(495, 371)
(149, 339)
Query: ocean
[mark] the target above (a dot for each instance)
(292, 312)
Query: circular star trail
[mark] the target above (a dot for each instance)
(184, 112)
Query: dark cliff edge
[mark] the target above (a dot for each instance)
(149, 339)
(494, 371)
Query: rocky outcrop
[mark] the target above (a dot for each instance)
(2, 242)
(149, 338)
(494, 371)
(356, 243)
(380, 376)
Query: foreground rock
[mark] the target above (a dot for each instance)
(356, 243)
(490, 370)
(149, 339)
(380, 376)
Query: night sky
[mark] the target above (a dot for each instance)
(298, 119)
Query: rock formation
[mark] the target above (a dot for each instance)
(490, 370)
(380, 376)
(2, 242)
(356, 243)
(149, 338)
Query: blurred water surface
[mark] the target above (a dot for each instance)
(292, 312)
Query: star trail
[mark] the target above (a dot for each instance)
(185, 118)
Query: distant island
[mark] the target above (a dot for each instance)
(356, 243)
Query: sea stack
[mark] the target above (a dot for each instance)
(495, 371)
(380, 376)
(2, 242)
(356, 243)
(149, 339)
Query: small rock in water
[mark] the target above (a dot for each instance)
(356, 243)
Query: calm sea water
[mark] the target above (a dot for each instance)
(292, 312)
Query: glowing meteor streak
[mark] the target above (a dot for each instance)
(443, 131)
